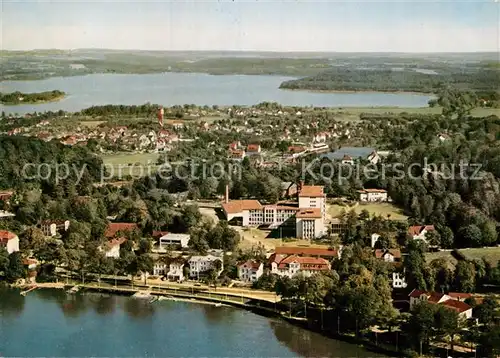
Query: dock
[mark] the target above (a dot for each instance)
(32, 288)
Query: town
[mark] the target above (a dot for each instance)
(371, 251)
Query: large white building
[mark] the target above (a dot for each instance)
(198, 265)
(308, 217)
(9, 240)
(309, 223)
(173, 240)
(292, 265)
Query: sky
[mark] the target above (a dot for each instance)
(273, 25)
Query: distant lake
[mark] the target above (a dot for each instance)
(191, 88)
(52, 323)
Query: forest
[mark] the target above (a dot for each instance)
(388, 80)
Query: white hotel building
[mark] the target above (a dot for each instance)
(309, 216)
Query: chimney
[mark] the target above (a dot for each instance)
(226, 196)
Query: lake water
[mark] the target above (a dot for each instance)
(48, 323)
(191, 88)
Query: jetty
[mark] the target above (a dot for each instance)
(31, 288)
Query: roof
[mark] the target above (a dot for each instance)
(346, 157)
(456, 305)
(394, 252)
(416, 293)
(372, 191)
(459, 295)
(157, 234)
(57, 222)
(6, 235)
(312, 213)
(237, 206)
(296, 149)
(113, 228)
(315, 262)
(305, 251)
(432, 297)
(253, 147)
(416, 230)
(253, 264)
(311, 191)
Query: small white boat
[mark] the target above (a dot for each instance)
(142, 294)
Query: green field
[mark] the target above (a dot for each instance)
(386, 210)
(430, 256)
(491, 254)
(134, 164)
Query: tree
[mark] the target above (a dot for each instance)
(470, 236)
(465, 276)
(145, 265)
(4, 260)
(421, 323)
(15, 269)
(446, 323)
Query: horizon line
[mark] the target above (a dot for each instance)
(255, 51)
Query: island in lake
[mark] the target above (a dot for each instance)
(24, 98)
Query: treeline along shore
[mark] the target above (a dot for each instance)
(17, 97)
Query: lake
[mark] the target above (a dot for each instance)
(192, 88)
(48, 323)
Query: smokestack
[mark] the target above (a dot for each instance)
(226, 196)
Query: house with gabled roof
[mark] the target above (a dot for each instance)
(453, 301)
(250, 270)
(418, 232)
(292, 265)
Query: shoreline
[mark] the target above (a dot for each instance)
(358, 91)
(55, 99)
(214, 301)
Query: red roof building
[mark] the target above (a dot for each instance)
(114, 228)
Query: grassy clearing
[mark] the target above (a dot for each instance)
(352, 113)
(134, 164)
(91, 124)
(384, 209)
(430, 256)
(491, 254)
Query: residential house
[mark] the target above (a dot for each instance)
(295, 151)
(176, 270)
(388, 255)
(250, 270)
(160, 268)
(290, 266)
(373, 157)
(114, 229)
(253, 149)
(112, 248)
(54, 227)
(418, 232)
(30, 263)
(6, 195)
(347, 160)
(9, 241)
(237, 155)
(452, 301)
(393, 256)
(366, 195)
(320, 137)
(198, 265)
